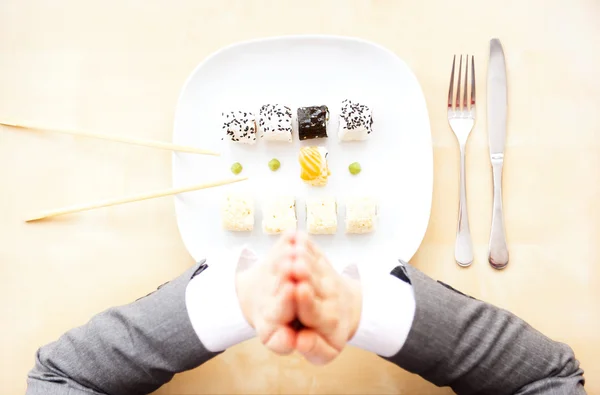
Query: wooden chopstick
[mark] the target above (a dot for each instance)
(120, 139)
(128, 199)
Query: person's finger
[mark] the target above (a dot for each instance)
(303, 264)
(282, 341)
(280, 267)
(310, 262)
(300, 238)
(288, 237)
(300, 269)
(279, 257)
(279, 338)
(283, 274)
(320, 258)
(314, 347)
(317, 313)
(302, 272)
(282, 307)
(308, 306)
(307, 250)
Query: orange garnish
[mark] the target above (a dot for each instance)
(311, 163)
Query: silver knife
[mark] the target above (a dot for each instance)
(496, 107)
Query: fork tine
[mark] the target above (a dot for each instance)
(450, 91)
(472, 80)
(458, 104)
(465, 99)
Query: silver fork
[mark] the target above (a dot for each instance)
(461, 117)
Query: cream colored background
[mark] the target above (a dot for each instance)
(117, 67)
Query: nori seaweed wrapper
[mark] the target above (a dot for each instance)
(312, 122)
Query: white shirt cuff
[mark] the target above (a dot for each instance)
(212, 302)
(388, 309)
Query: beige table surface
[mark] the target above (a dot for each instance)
(118, 66)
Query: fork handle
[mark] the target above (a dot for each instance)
(463, 249)
(498, 257)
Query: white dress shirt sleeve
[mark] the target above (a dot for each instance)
(388, 309)
(212, 302)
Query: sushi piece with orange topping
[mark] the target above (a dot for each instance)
(313, 166)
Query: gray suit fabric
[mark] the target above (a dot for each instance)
(132, 349)
(456, 341)
(476, 348)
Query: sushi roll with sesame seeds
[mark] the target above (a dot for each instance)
(356, 121)
(312, 122)
(239, 126)
(275, 123)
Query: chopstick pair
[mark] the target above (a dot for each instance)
(126, 199)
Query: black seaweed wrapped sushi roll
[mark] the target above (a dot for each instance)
(312, 122)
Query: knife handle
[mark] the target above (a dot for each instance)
(463, 249)
(498, 257)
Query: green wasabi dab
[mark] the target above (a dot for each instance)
(274, 164)
(354, 168)
(236, 168)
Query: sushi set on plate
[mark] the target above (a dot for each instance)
(333, 134)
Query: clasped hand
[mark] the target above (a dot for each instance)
(294, 284)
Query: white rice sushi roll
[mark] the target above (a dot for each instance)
(237, 213)
(361, 215)
(321, 216)
(275, 123)
(239, 126)
(279, 215)
(356, 121)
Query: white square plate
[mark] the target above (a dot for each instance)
(397, 160)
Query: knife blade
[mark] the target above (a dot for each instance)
(496, 99)
(497, 104)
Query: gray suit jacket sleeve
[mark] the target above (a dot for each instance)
(132, 349)
(476, 348)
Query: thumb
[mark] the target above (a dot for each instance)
(314, 347)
